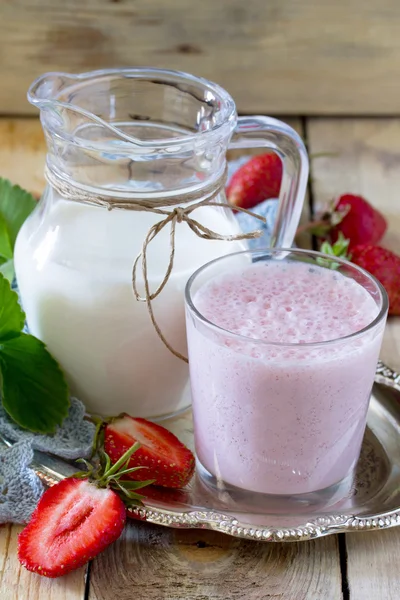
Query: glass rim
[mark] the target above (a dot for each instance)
(166, 76)
(271, 251)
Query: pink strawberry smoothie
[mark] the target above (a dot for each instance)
(272, 417)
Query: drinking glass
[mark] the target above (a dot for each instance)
(280, 418)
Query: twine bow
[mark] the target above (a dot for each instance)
(178, 214)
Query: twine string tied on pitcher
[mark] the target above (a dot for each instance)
(173, 212)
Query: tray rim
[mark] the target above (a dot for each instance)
(322, 526)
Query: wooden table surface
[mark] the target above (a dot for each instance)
(155, 563)
(313, 57)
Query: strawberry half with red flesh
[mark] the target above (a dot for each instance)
(73, 522)
(80, 516)
(257, 180)
(170, 463)
(361, 224)
(385, 266)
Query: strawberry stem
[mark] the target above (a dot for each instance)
(97, 431)
(317, 227)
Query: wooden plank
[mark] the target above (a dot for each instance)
(367, 163)
(16, 583)
(22, 153)
(373, 565)
(280, 56)
(150, 563)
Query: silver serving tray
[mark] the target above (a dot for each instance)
(371, 499)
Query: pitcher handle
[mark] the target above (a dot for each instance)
(265, 132)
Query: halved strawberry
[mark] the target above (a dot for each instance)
(80, 516)
(169, 462)
(73, 522)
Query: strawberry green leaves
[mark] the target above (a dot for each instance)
(16, 205)
(339, 248)
(113, 476)
(33, 389)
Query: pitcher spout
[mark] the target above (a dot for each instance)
(75, 110)
(48, 87)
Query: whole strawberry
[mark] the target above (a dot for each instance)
(385, 266)
(361, 224)
(257, 180)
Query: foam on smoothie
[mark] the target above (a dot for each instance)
(286, 303)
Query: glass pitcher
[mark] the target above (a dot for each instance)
(119, 139)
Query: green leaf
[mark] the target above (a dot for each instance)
(341, 246)
(105, 460)
(131, 496)
(127, 472)
(133, 502)
(136, 485)
(7, 269)
(339, 249)
(16, 205)
(5, 244)
(34, 390)
(123, 460)
(326, 248)
(12, 317)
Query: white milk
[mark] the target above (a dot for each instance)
(74, 269)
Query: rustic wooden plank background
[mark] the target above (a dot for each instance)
(373, 565)
(150, 563)
(16, 583)
(277, 56)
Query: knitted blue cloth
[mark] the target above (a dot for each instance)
(20, 488)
